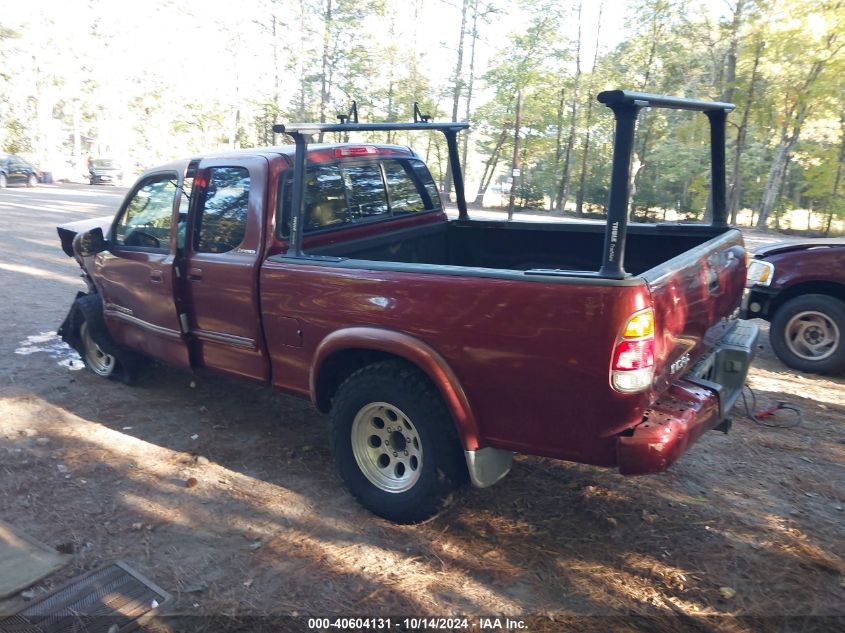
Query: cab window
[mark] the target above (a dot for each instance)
(222, 217)
(356, 192)
(148, 217)
(405, 196)
(365, 188)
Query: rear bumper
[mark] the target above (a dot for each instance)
(696, 403)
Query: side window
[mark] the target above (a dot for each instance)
(367, 198)
(325, 199)
(149, 214)
(221, 221)
(402, 189)
(336, 195)
(425, 178)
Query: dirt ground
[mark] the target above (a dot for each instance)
(748, 524)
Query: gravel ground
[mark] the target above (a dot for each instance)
(748, 524)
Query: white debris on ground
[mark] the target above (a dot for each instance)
(55, 347)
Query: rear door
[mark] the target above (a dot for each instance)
(222, 259)
(136, 275)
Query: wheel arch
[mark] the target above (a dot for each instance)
(344, 351)
(828, 288)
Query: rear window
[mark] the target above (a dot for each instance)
(356, 192)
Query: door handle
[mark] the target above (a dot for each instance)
(195, 274)
(712, 280)
(156, 276)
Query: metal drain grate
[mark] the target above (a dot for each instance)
(111, 599)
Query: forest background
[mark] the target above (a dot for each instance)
(145, 83)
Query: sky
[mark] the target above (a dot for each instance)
(218, 50)
(151, 40)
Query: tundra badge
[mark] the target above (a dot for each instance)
(679, 364)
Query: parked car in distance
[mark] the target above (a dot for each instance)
(800, 288)
(14, 170)
(105, 170)
(437, 347)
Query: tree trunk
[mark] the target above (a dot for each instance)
(324, 68)
(730, 80)
(515, 161)
(582, 180)
(639, 156)
(561, 106)
(794, 117)
(391, 84)
(735, 193)
(563, 191)
(303, 80)
(457, 86)
(837, 180)
(77, 134)
(471, 82)
(490, 167)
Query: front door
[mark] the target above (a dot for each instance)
(136, 275)
(222, 261)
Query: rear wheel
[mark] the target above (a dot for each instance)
(807, 333)
(3, 181)
(395, 443)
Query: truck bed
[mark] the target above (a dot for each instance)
(520, 246)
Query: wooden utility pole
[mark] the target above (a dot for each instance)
(515, 161)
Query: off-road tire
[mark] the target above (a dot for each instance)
(829, 308)
(86, 313)
(442, 467)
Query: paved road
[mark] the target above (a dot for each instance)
(37, 279)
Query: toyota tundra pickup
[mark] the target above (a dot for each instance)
(438, 347)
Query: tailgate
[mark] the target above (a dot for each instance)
(696, 297)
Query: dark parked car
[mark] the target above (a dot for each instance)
(105, 170)
(800, 288)
(14, 170)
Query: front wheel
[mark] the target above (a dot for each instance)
(94, 357)
(807, 331)
(395, 443)
(32, 180)
(84, 329)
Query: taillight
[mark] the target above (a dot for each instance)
(632, 366)
(355, 150)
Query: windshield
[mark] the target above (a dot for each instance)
(104, 163)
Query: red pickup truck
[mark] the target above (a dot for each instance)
(438, 347)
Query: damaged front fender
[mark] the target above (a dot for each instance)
(67, 232)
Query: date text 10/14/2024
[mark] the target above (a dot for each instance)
(417, 624)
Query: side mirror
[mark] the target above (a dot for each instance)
(91, 242)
